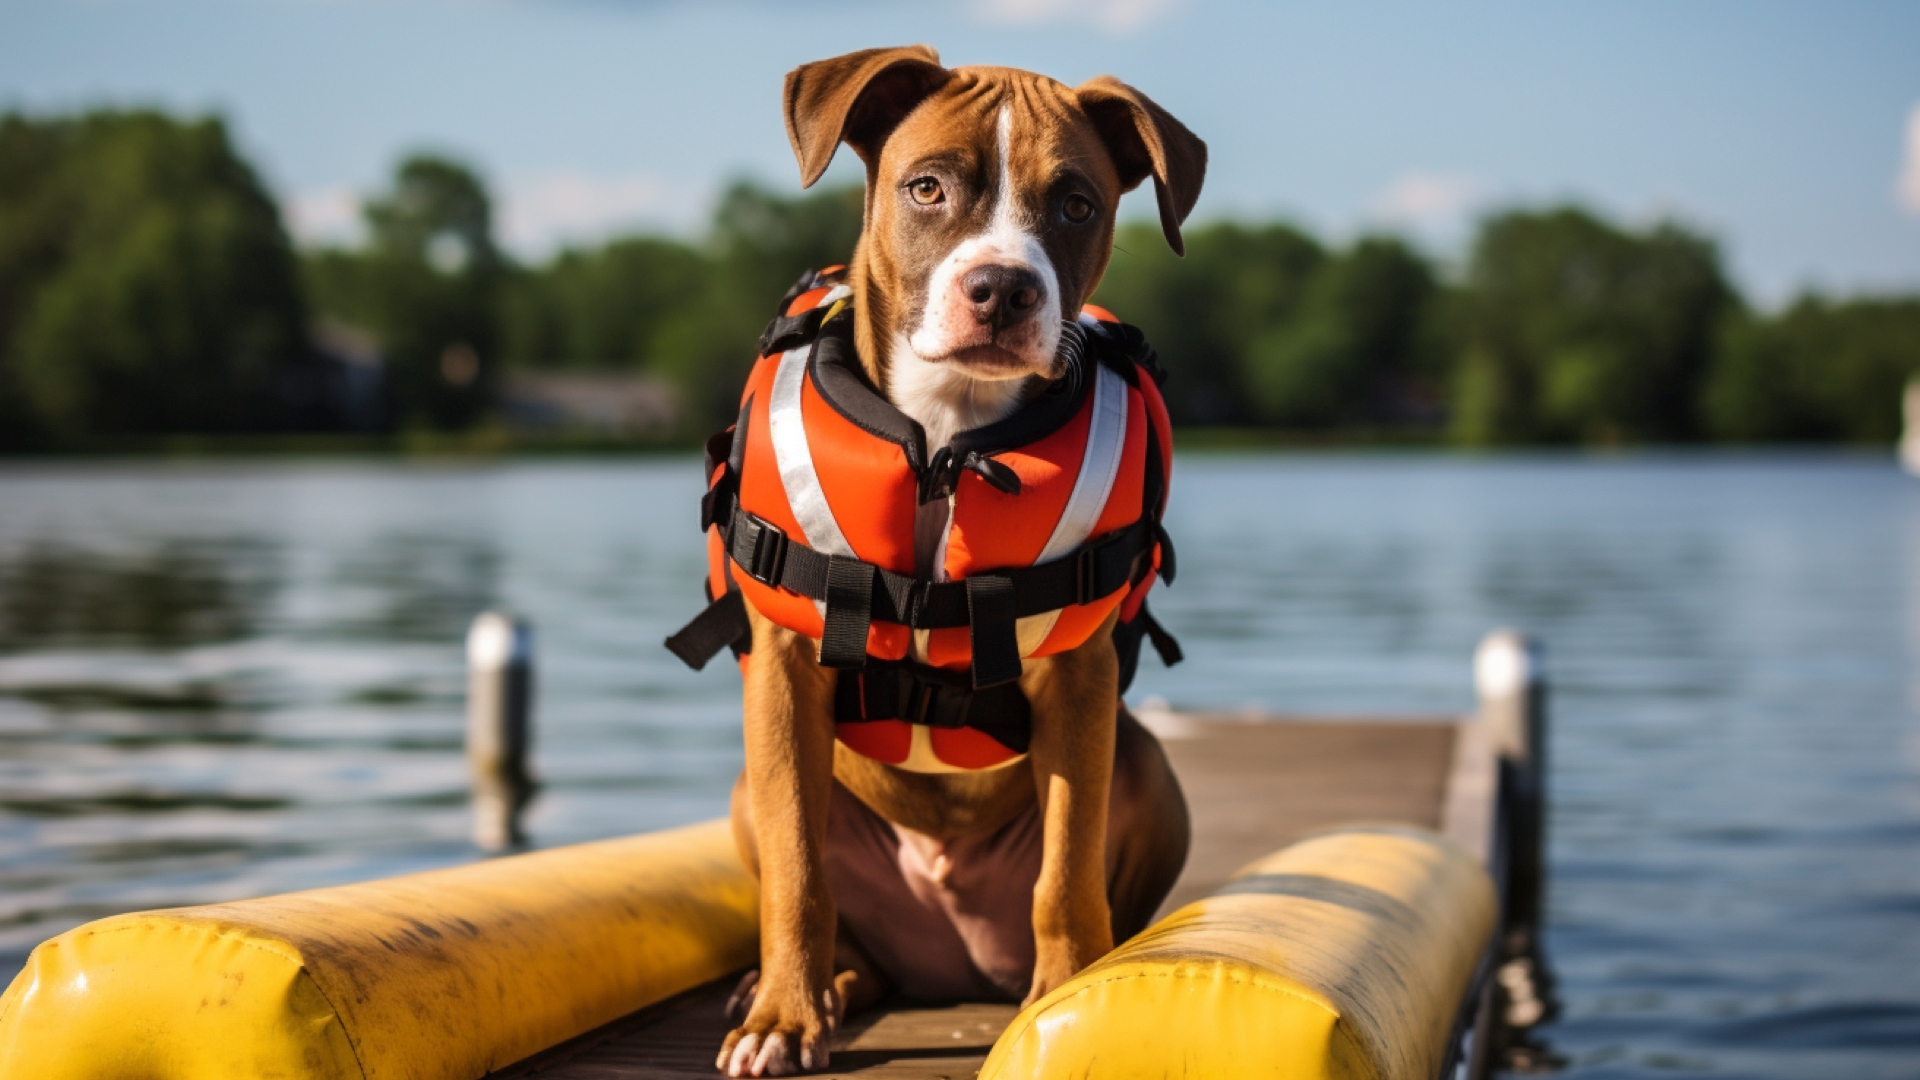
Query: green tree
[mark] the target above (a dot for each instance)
(1204, 312)
(688, 313)
(428, 287)
(146, 283)
(601, 308)
(1358, 349)
(1577, 330)
(1818, 370)
(759, 244)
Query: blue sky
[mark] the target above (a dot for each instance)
(1787, 130)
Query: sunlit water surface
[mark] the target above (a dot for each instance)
(228, 680)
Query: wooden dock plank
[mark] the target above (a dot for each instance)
(1252, 786)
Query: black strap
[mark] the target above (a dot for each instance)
(723, 493)
(1126, 643)
(849, 600)
(858, 594)
(791, 331)
(1164, 643)
(719, 624)
(1153, 496)
(1093, 570)
(995, 642)
(920, 694)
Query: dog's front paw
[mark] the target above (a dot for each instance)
(779, 1037)
(1044, 982)
(1060, 959)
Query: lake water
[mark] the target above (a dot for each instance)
(220, 681)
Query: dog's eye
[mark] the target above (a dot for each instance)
(925, 191)
(1077, 208)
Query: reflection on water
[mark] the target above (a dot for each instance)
(186, 591)
(220, 682)
(419, 587)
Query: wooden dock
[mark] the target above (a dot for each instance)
(1253, 785)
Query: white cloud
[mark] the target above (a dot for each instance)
(330, 215)
(1426, 199)
(1910, 173)
(542, 213)
(1112, 16)
(532, 216)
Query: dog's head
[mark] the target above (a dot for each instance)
(990, 200)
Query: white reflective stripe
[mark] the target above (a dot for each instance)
(790, 450)
(1106, 444)
(838, 292)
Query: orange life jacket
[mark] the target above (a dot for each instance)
(1053, 522)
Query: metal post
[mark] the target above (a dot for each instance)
(1509, 677)
(499, 726)
(1910, 429)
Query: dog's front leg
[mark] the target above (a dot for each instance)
(1074, 701)
(789, 741)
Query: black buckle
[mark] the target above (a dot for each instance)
(924, 701)
(947, 706)
(1086, 567)
(766, 549)
(916, 702)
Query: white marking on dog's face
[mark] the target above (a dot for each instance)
(951, 333)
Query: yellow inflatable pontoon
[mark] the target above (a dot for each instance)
(1343, 957)
(444, 975)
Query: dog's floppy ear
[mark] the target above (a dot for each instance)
(857, 98)
(1145, 140)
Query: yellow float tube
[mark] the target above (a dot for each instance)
(1343, 957)
(444, 975)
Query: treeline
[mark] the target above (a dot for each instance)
(147, 286)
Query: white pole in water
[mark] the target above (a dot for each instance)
(499, 726)
(1910, 430)
(1509, 677)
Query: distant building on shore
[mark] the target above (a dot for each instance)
(607, 404)
(346, 388)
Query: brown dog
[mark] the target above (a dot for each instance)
(990, 207)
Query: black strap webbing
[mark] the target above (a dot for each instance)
(1153, 501)
(1094, 570)
(920, 694)
(996, 645)
(729, 449)
(849, 600)
(722, 623)
(1164, 643)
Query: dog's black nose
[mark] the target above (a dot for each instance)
(1002, 295)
